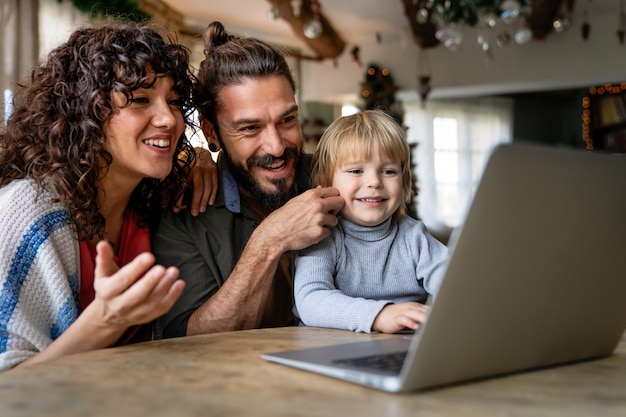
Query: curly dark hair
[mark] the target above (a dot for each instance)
(229, 60)
(55, 134)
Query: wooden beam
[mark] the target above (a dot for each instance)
(328, 45)
(163, 14)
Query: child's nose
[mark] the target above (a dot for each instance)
(373, 181)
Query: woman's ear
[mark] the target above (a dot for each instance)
(209, 134)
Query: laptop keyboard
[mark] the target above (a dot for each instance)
(391, 362)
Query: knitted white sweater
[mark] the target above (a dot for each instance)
(39, 271)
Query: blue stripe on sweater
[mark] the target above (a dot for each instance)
(68, 312)
(21, 264)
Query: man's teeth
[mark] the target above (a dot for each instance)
(159, 143)
(276, 165)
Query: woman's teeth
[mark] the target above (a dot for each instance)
(159, 143)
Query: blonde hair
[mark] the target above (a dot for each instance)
(356, 136)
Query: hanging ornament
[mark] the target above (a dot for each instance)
(296, 7)
(561, 23)
(274, 13)
(423, 87)
(523, 34)
(486, 48)
(510, 11)
(450, 36)
(356, 55)
(313, 29)
(622, 23)
(423, 76)
(422, 16)
(586, 27)
(503, 39)
(488, 19)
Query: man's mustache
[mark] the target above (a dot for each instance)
(268, 160)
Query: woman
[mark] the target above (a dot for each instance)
(92, 153)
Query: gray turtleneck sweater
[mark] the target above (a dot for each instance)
(345, 280)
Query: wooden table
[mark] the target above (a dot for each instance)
(222, 375)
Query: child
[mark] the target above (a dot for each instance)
(378, 267)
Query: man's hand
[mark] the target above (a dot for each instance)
(395, 317)
(203, 177)
(303, 221)
(240, 302)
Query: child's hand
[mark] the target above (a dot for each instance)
(395, 317)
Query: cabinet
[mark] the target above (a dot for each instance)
(604, 118)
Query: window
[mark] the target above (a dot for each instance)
(348, 109)
(18, 47)
(454, 140)
(29, 29)
(8, 104)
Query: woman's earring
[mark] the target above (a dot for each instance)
(213, 147)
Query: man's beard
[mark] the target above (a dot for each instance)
(268, 200)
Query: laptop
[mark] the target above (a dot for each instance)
(536, 278)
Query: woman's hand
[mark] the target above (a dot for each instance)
(137, 293)
(203, 177)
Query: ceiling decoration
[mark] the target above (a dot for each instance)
(124, 9)
(432, 22)
(304, 16)
(435, 22)
(501, 22)
(308, 23)
(438, 22)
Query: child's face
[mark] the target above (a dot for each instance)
(371, 188)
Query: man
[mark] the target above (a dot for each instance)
(236, 256)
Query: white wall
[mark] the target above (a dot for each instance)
(563, 60)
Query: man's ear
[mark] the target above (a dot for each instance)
(209, 133)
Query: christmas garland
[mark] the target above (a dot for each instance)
(123, 9)
(467, 12)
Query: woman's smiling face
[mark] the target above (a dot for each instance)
(142, 136)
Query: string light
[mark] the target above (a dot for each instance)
(588, 109)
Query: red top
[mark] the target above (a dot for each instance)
(134, 240)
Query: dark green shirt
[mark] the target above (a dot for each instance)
(206, 248)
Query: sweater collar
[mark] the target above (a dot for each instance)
(367, 233)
